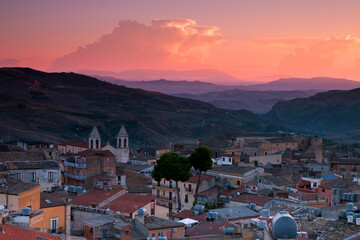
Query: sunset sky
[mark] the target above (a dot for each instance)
(250, 40)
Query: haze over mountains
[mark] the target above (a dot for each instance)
(258, 98)
(64, 106)
(335, 114)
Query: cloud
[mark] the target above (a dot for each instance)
(9, 62)
(323, 57)
(165, 43)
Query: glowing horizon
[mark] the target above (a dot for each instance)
(252, 41)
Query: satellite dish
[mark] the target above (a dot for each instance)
(238, 193)
(2, 207)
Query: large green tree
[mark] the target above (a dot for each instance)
(201, 160)
(171, 166)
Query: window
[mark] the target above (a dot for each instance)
(91, 230)
(186, 198)
(174, 229)
(160, 234)
(50, 176)
(323, 190)
(54, 224)
(238, 182)
(125, 143)
(33, 177)
(17, 176)
(126, 233)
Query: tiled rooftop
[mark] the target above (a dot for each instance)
(251, 198)
(189, 214)
(207, 228)
(16, 188)
(23, 165)
(152, 222)
(16, 233)
(97, 196)
(129, 203)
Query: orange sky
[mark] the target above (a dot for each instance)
(250, 40)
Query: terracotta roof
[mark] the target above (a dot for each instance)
(22, 156)
(52, 199)
(23, 165)
(233, 169)
(97, 196)
(129, 203)
(207, 228)
(189, 214)
(209, 192)
(95, 153)
(75, 144)
(233, 191)
(15, 233)
(277, 180)
(251, 198)
(103, 177)
(139, 189)
(203, 177)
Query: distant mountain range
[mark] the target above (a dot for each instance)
(316, 83)
(255, 101)
(257, 98)
(335, 114)
(59, 107)
(205, 75)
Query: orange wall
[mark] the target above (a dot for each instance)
(30, 198)
(53, 212)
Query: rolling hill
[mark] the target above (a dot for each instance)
(334, 113)
(254, 101)
(57, 107)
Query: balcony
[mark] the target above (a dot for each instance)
(76, 165)
(166, 198)
(77, 177)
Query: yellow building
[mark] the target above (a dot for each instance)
(16, 195)
(54, 209)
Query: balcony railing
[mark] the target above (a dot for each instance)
(164, 197)
(77, 165)
(78, 177)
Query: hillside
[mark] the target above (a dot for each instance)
(255, 101)
(335, 114)
(64, 106)
(317, 83)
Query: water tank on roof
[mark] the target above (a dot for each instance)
(162, 238)
(262, 224)
(230, 185)
(350, 218)
(349, 207)
(215, 215)
(284, 226)
(226, 179)
(265, 213)
(78, 189)
(209, 215)
(199, 208)
(349, 213)
(352, 197)
(229, 231)
(253, 206)
(247, 190)
(141, 211)
(342, 213)
(248, 205)
(25, 211)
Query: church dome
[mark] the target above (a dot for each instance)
(284, 226)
